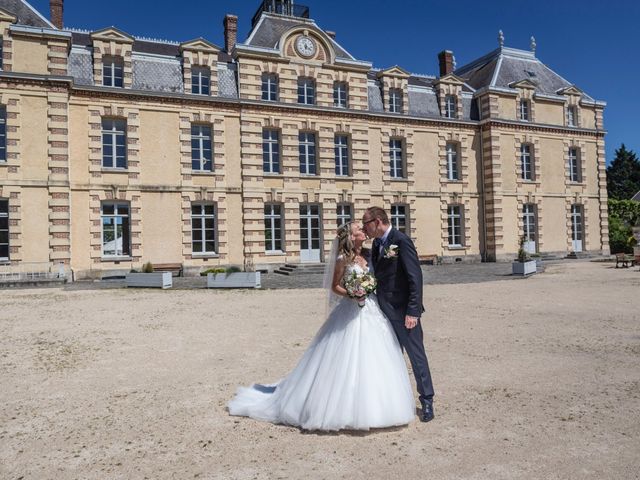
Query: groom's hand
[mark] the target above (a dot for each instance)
(410, 321)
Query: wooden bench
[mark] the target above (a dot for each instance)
(623, 260)
(430, 259)
(174, 268)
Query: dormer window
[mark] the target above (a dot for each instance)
(112, 71)
(340, 94)
(270, 87)
(524, 110)
(200, 80)
(450, 106)
(306, 91)
(395, 100)
(572, 116)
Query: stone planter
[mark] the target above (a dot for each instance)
(524, 268)
(149, 280)
(234, 280)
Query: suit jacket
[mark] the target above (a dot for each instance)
(399, 278)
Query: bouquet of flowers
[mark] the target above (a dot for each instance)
(359, 286)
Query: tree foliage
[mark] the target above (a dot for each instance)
(623, 175)
(623, 216)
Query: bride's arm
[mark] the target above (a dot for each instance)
(337, 287)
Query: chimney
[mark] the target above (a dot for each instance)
(56, 7)
(330, 34)
(446, 62)
(230, 32)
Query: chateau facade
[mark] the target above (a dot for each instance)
(117, 150)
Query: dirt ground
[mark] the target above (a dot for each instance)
(535, 379)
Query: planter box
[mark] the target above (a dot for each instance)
(525, 268)
(234, 280)
(149, 280)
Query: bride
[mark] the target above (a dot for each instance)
(352, 376)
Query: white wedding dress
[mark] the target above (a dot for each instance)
(352, 376)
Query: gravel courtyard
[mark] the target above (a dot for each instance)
(535, 379)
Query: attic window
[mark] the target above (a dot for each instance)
(530, 73)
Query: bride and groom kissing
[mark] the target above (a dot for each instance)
(353, 375)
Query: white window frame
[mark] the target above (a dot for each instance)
(395, 100)
(577, 212)
(117, 213)
(271, 150)
(199, 212)
(396, 158)
(341, 154)
(526, 163)
(450, 106)
(344, 213)
(201, 155)
(306, 91)
(572, 116)
(3, 134)
(453, 165)
(112, 71)
(114, 129)
(5, 215)
(340, 94)
(524, 110)
(574, 165)
(200, 80)
(400, 215)
(270, 87)
(529, 222)
(273, 214)
(308, 153)
(455, 225)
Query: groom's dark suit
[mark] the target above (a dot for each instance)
(399, 293)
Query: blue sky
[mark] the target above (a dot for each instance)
(592, 43)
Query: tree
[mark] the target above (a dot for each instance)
(623, 216)
(623, 175)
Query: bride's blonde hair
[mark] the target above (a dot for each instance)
(345, 242)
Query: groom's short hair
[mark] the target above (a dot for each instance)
(379, 213)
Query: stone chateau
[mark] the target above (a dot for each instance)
(116, 150)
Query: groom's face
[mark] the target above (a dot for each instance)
(371, 226)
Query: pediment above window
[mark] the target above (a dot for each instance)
(200, 45)
(112, 34)
(394, 71)
(527, 84)
(7, 16)
(451, 79)
(570, 90)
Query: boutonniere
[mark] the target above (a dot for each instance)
(391, 251)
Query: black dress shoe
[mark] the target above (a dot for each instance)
(426, 413)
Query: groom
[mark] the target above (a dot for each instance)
(397, 270)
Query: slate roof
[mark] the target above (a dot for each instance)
(26, 14)
(271, 27)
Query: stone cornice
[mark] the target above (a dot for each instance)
(539, 127)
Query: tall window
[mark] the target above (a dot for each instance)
(344, 213)
(203, 229)
(114, 143)
(395, 100)
(526, 162)
(306, 91)
(395, 158)
(272, 228)
(453, 171)
(340, 94)
(270, 151)
(1, 55)
(523, 110)
(399, 217)
(529, 225)
(450, 106)
(307, 153)
(269, 87)
(112, 68)
(574, 165)
(4, 230)
(454, 222)
(341, 150)
(116, 233)
(572, 116)
(3, 134)
(201, 154)
(200, 80)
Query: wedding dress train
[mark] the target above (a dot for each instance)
(352, 376)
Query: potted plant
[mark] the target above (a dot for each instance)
(149, 279)
(523, 265)
(233, 277)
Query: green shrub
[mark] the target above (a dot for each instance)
(213, 270)
(233, 269)
(147, 268)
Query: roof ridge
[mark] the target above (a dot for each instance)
(136, 37)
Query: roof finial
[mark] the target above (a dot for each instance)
(533, 44)
(501, 38)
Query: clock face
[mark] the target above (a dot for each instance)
(305, 46)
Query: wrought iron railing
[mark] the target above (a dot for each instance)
(282, 7)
